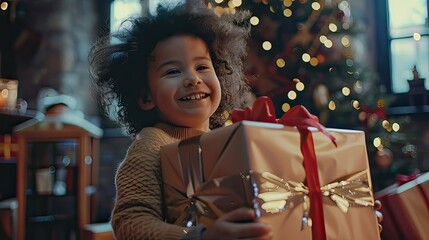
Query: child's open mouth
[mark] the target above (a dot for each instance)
(196, 96)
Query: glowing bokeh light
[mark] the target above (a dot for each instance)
(285, 107)
(345, 91)
(254, 20)
(377, 142)
(396, 127)
(299, 86)
(306, 57)
(332, 106)
(291, 95)
(280, 62)
(266, 45)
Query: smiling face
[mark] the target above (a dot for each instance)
(183, 84)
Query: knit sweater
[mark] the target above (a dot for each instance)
(137, 213)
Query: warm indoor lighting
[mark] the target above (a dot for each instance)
(377, 142)
(4, 6)
(285, 107)
(396, 127)
(287, 12)
(254, 20)
(417, 36)
(266, 45)
(306, 57)
(332, 105)
(356, 104)
(314, 62)
(345, 41)
(291, 95)
(345, 91)
(385, 124)
(287, 3)
(315, 6)
(236, 3)
(333, 27)
(299, 86)
(358, 86)
(328, 43)
(280, 62)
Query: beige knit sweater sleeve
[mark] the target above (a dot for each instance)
(137, 213)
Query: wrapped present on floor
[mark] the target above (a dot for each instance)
(8, 147)
(306, 183)
(406, 208)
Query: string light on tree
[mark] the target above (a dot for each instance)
(285, 107)
(300, 86)
(266, 45)
(292, 95)
(280, 62)
(4, 6)
(254, 20)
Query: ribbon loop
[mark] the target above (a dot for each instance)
(402, 179)
(263, 111)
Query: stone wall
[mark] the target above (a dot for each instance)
(51, 49)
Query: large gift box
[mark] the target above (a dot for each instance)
(300, 181)
(406, 208)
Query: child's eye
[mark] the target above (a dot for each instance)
(172, 71)
(201, 67)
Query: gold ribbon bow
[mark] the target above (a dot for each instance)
(352, 190)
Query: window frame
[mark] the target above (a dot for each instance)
(383, 45)
(384, 55)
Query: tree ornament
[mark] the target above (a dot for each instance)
(383, 157)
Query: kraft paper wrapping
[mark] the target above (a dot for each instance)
(405, 209)
(228, 153)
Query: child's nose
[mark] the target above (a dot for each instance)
(192, 79)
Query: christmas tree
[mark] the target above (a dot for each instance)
(310, 53)
(301, 52)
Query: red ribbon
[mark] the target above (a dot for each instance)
(262, 111)
(298, 116)
(402, 179)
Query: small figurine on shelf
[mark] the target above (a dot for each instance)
(417, 87)
(415, 73)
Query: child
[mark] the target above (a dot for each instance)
(173, 76)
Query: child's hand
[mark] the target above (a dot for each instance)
(238, 224)
(379, 214)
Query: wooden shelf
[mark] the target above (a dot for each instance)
(11, 118)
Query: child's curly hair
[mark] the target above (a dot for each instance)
(120, 69)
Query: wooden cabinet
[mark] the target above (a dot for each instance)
(56, 177)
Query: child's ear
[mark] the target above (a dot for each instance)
(146, 103)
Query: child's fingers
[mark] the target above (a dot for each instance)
(379, 216)
(377, 204)
(380, 228)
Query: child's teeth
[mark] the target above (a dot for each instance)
(194, 97)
